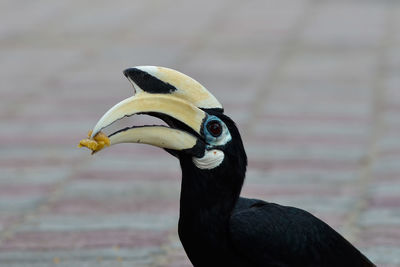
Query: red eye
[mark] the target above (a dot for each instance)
(215, 128)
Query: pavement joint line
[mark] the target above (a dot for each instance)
(153, 7)
(27, 38)
(13, 109)
(351, 227)
(45, 206)
(266, 83)
(16, 40)
(198, 42)
(163, 258)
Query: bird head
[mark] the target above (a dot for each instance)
(198, 132)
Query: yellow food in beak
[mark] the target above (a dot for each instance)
(98, 142)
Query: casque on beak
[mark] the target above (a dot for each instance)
(169, 95)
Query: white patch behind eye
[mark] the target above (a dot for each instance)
(210, 160)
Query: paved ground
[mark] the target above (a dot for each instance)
(313, 85)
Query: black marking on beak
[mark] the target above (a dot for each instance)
(147, 82)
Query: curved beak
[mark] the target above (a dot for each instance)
(159, 104)
(164, 93)
(164, 106)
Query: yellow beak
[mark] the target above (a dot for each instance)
(160, 136)
(164, 93)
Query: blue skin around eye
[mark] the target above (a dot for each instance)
(210, 139)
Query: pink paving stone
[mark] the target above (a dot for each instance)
(385, 202)
(387, 177)
(392, 106)
(316, 118)
(177, 257)
(301, 164)
(24, 190)
(8, 220)
(178, 261)
(326, 139)
(335, 220)
(78, 100)
(107, 206)
(296, 190)
(391, 152)
(56, 117)
(42, 162)
(40, 140)
(88, 239)
(237, 106)
(381, 236)
(330, 97)
(393, 129)
(128, 175)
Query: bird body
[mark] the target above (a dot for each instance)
(216, 226)
(288, 236)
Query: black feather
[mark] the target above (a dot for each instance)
(218, 228)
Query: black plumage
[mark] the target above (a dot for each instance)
(219, 228)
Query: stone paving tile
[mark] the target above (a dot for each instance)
(136, 220)
(366, 30)
(312, 85)
(53, 240)
(111, 256)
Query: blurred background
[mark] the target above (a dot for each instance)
(312, 85)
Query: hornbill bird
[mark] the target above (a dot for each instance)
(217, 227)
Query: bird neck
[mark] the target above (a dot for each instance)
(210, 191)
(208, 198)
